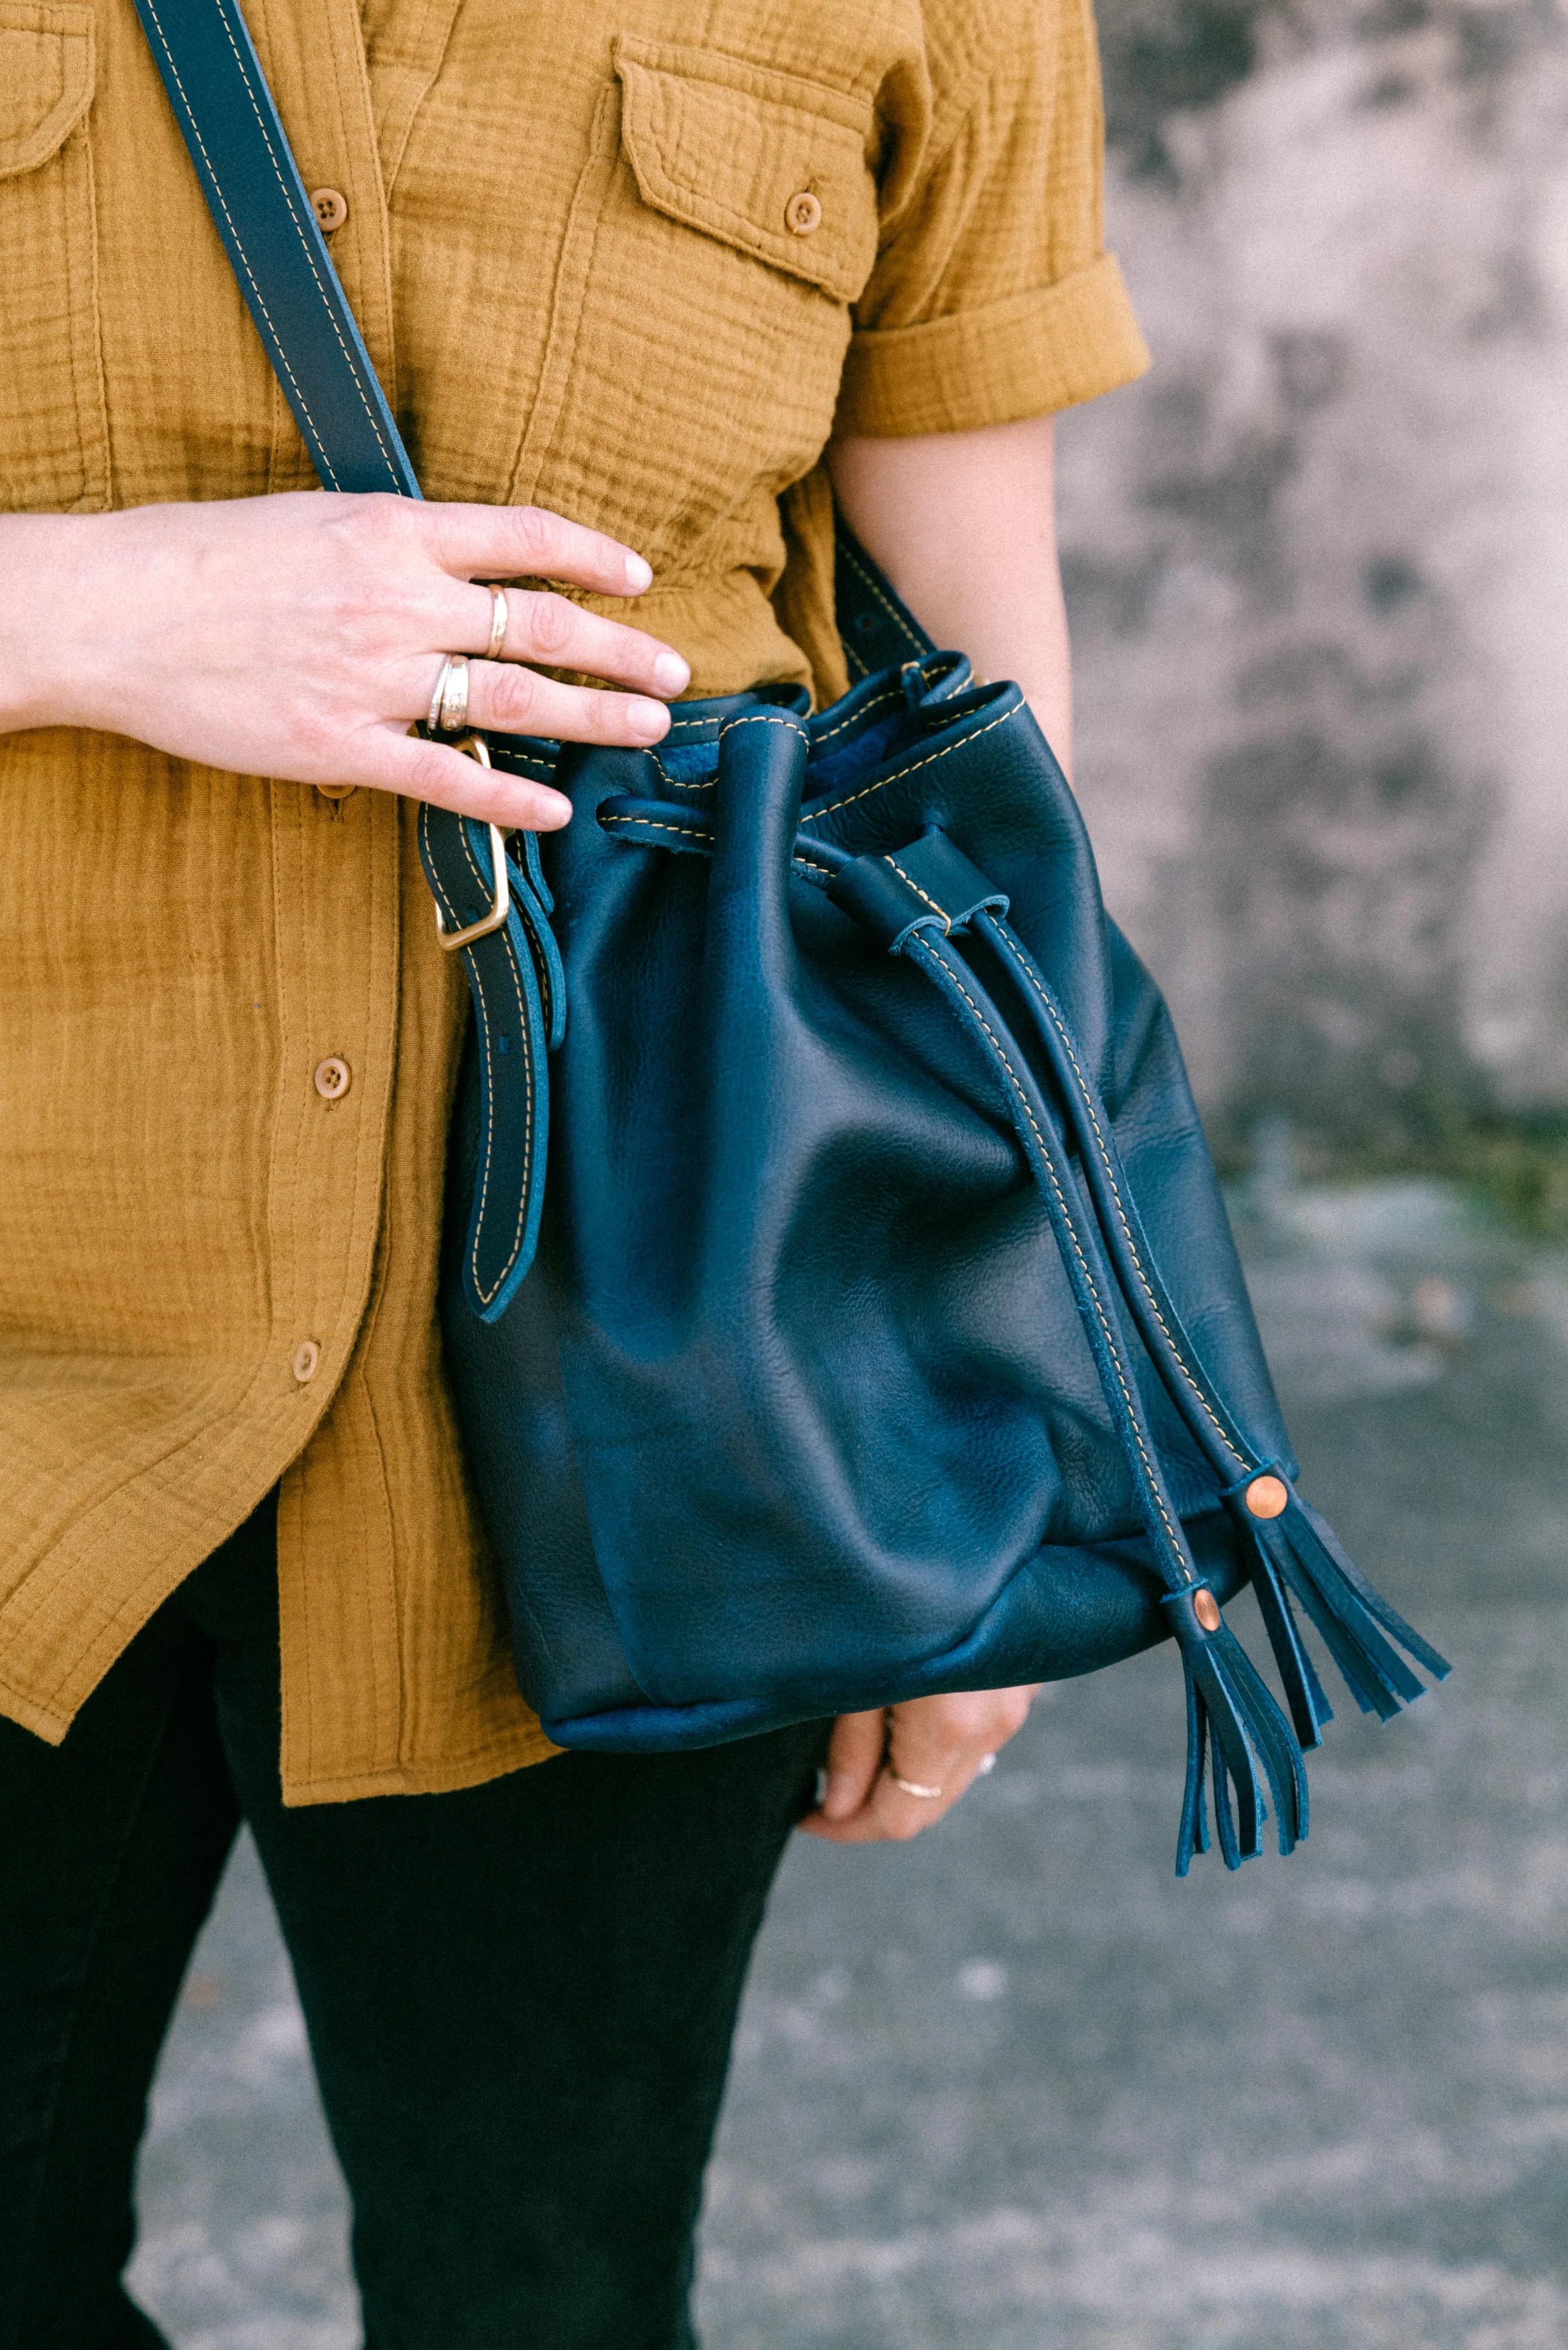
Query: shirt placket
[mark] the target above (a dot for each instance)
(336, 891)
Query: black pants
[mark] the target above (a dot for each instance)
(520, 1998)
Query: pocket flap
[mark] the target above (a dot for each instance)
(45, 78)
(773, 166)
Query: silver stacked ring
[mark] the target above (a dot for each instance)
(449, 703)
(432, 715)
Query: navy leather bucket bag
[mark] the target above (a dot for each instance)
(870, 1325)
(840, 1303)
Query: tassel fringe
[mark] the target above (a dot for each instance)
(1298, 1557)
(1233, 1725)
(1305, 1694)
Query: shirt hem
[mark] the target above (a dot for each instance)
(449, 1775)
(43, 1721)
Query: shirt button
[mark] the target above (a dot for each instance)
(306, 1361)
(330, 207)
(336, 791)
(803, 214)
(333, 1079)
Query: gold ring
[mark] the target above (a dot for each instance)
(497, 624)
(432, 717)
(912, 1787)
(454, 695)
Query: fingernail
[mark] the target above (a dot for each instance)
(646, 722)
(639, 574)
(546, 811)
(672, 674)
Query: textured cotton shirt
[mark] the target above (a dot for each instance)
(632, 263)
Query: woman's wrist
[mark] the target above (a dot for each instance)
(48, 604)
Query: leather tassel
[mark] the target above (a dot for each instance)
(1298, 1550)
(1305, 1694)
(1193, 1833)
(1233, 1725)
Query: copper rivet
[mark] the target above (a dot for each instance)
(333, 1079)
(803, 214)
(1206, 1607)
(1267, 1496)
(330, 207)
(306, 1361)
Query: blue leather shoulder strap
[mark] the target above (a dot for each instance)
(253, 190)
(876, 626)
(258, 203)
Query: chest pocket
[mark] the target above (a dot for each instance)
(753, 161)
(54, 437)
(728, 221)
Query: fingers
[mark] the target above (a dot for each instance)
(520, 702)
(450, 779)
(526, 542)
(854, 1759)
(504, 696)
(934, 1744)
(561, 635)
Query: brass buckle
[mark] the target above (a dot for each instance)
(474, 746)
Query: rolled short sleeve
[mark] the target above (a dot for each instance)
(992, 298)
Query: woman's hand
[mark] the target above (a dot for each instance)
(299, 636)
(936, 1742)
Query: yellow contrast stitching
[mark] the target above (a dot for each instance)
(697, 832)
(877, 702)
(487, 1294)
(325, 460)
(675, 782)
(761, 718)
(1089, 1101)
(898, 617)
(310, 258)
(925, 947)
(687, 831)
(899, 772)
(947, 919)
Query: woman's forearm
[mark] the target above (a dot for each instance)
(964, 525)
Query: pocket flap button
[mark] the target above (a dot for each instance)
(306, 1361)
(803, 214)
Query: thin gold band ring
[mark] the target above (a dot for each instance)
(497, 624)
(913, 1787)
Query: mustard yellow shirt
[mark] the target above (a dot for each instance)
(569, 238)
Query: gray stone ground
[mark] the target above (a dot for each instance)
(1013, 2086)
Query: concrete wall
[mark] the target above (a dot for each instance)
(1318, 560)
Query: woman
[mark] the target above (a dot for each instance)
(627, 278)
